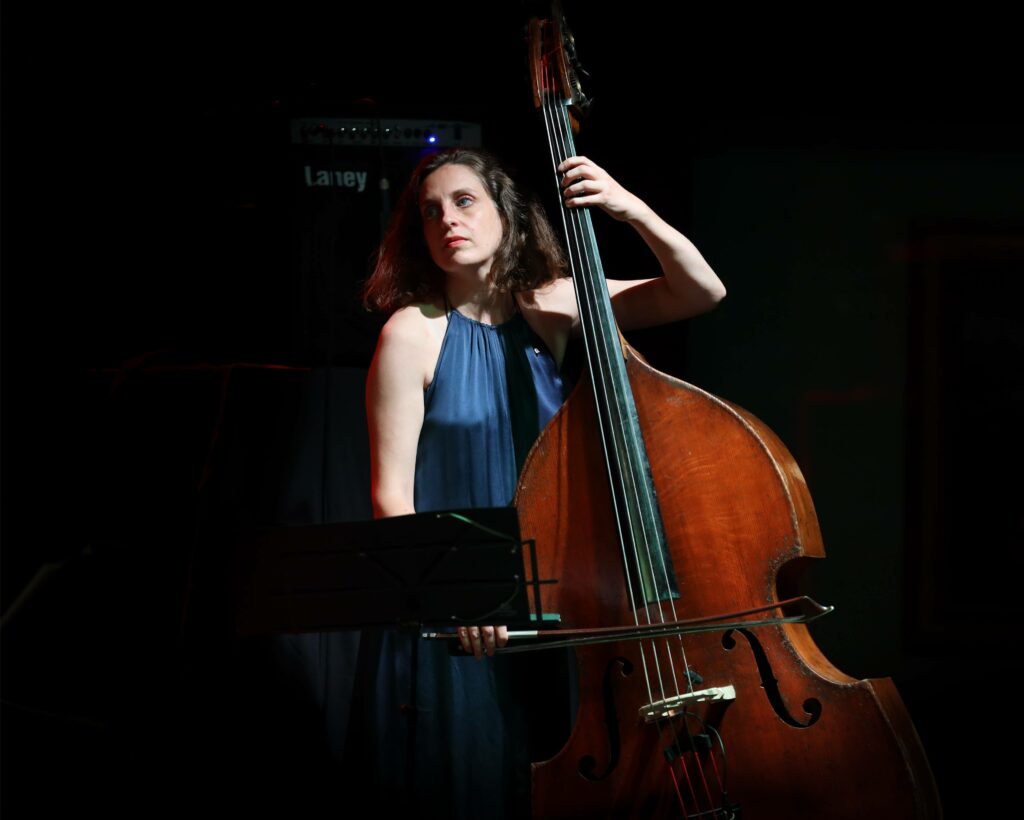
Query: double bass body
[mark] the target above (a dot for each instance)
(795, 737)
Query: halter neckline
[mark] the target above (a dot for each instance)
(517, 313)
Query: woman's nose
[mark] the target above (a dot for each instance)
(449, 215)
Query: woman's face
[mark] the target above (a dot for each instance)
(461, 223)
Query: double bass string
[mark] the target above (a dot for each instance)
(560, 146)
(586, 285)
(628, 446)
(605, 396)
(557, 144)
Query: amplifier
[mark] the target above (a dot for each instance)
(388, 131)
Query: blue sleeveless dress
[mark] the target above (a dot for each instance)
(494, 390)
(447, 736)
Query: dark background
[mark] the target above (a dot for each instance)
(856, 184)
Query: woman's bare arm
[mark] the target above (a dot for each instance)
(394, 411)
(689, 286)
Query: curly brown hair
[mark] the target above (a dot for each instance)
(529, 254)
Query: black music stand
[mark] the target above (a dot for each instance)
(438, 569)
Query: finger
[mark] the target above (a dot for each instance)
(577, 175)
(501, 635)
(488, 639)
(464, 639)
(583, 201)
(572, 162)
(576, 189)
(476, 641)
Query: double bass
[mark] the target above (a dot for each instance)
(656, 504)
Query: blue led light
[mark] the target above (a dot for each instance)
(431, 139)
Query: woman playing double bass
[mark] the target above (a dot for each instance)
(465, 376)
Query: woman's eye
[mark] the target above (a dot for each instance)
(430, 212)
(462, 201)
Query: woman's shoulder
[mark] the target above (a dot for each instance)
(411, 339)
(413, 323)
(551, 304)
(558, 295)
